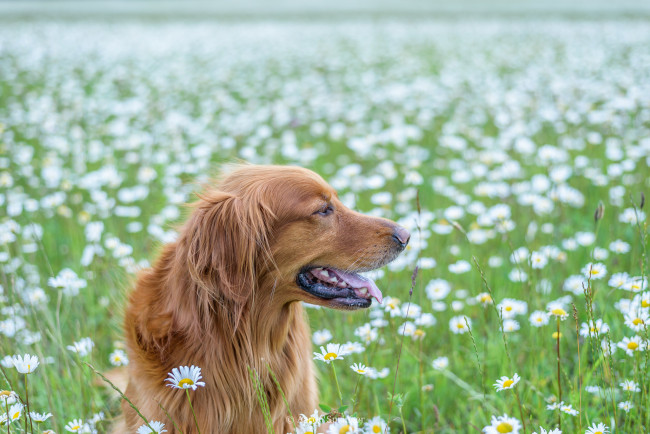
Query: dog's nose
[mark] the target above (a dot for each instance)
(402, 236)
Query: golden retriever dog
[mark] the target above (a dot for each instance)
(225, 296)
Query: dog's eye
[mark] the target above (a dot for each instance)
(325, 210)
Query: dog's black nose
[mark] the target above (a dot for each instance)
(402, 236)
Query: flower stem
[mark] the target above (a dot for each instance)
(356, 395)
(559, 384)
(421, 385)
(27, 413)
(336, 380)
(8, 416)
(401, 416)
(187, 392)
(521, 411)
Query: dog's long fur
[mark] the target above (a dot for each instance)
(224, 297)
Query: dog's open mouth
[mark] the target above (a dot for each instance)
(344, 289)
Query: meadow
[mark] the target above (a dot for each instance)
(517, 153)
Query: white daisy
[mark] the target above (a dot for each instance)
(118, 358)
(506, 382)
(83, 347)
(538, 318)
(7, 397)
(185, 377)
(630, 386)
(156, 428)
(631, 345)
(626, 406)
(321, 337)
(15, 412)
(619, 246)
(502, 424)
(543, 431)
(437, 289)
(349, 425)
(568, 409)
(440, 363)
(458, 325)
(593, 328)
(359, 368)
(557, 310)
(39, 417)
(637, 321)
(25, 364)
(376, 425)
(510, 325)
(599, 428)
(329, 354)
(594, 270)
(75, 425)
(538, 260)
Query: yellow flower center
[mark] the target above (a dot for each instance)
(16, 415)
(558, 311)
(598, 432)
(508, 308)
(185, 381)
(418, 332)
(595, 271)
(345, 429)
(637, 321)
(540, 319)
(376, 428)
(632, 346)
(636, 286)
(460, 325)
(645, 303)
(5, 393)
(330, 356)
(557, 335)
(507, 383)
(361, 371)
(504, 427)
(593, 329)
(311, 420)
(76, 427)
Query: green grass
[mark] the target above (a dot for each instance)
(173, 96)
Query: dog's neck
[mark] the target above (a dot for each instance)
(171, 323)
(261, 328)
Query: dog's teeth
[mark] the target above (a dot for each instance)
(363, 291)
(343, 284)
(324, 273)
(333, 279)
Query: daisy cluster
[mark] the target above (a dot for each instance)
(516, 153)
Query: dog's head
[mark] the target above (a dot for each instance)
(284, 230)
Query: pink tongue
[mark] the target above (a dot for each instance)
(358, 281)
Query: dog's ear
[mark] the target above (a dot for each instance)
(227, 238)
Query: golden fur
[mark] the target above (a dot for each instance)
(224, 297)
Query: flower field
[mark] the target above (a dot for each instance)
(517, 152)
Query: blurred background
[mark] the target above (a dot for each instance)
(319, 9)
(512, 120)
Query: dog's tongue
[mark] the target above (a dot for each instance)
(358, 281)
